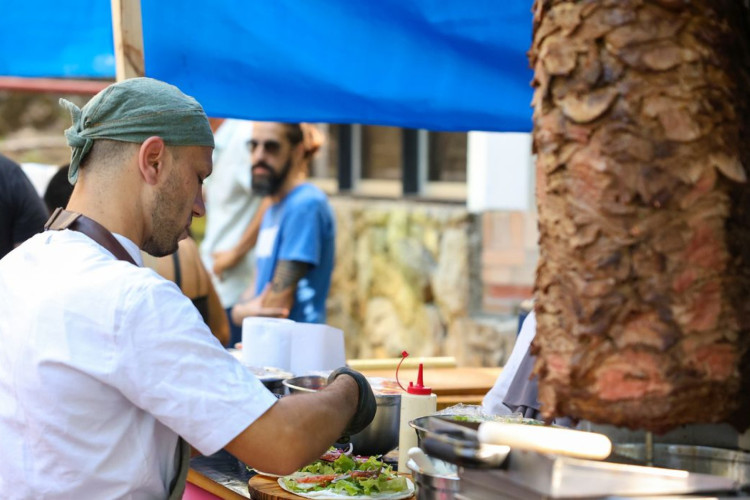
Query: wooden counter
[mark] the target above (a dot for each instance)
(465, 385)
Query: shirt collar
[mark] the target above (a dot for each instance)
(131, 248)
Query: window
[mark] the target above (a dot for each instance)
(382, 155)
(392, 162)
(446, 157)
(443, 165)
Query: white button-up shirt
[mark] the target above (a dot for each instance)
(102, 365)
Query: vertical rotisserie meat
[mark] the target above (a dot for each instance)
(643, 286)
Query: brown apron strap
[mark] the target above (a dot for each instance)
(182, 458)
(63, 219)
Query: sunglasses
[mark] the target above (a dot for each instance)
(271, 147)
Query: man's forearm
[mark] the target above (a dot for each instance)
(284, 283)
(250, 236)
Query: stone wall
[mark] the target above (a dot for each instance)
(408, 277)
(32, 127)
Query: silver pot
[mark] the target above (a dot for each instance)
(434, 486)
(378, 438)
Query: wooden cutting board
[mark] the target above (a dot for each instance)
(267, 488)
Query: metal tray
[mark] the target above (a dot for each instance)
(703, 459)
(502, 469)
(558, 476)
(457, 443)
(531, 475)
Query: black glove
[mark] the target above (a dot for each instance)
(366, 405)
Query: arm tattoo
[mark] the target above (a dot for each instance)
(287, 274)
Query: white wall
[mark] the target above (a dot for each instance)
(500, 172)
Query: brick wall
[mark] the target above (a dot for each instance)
(509, 257)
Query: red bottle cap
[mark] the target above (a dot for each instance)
(418, 388)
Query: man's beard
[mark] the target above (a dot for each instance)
(164, 235)
(268, 185)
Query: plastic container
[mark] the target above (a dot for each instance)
(417, 401)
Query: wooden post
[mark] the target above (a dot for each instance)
(128, 35)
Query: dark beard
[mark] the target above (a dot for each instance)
(270, 184)
(164, 238)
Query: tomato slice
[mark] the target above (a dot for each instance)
(320, 478)
(330, 456)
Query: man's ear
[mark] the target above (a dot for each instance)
(298, 153)
(151, 158)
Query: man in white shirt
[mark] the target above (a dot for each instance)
(105, 365)
(516, 389)
(493, 400)
(231, 207)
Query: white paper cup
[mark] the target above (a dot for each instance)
(267, 342)
(316, 347)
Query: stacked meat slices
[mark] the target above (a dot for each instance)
(643, 284)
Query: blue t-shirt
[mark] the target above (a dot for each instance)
(300, 227)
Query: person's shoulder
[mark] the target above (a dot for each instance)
(10, 170)
(83, 263)
(308, 195)
(8, 164)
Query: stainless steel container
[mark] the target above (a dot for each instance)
(275, 385)
(381, 436)
(378, 438)
(434, 487)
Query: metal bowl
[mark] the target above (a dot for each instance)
(275, 385)
(272, 378)
(378, 438)
(306, 383)
(433, 485)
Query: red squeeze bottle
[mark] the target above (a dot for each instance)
(417, 401)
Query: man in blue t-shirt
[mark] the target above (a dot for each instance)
(295, 248)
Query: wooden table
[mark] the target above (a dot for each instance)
(465, 385)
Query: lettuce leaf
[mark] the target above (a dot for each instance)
(345, 487)
(387, 482)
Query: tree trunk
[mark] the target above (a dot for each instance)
(643, 286)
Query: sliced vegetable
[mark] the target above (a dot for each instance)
(346, 475)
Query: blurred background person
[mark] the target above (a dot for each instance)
(22, 212)
(58, 190)
(295, 250)
(233, 215)
(185, 269)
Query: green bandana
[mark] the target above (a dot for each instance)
(132, 111)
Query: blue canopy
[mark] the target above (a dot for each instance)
(435, 64)
(44, 38)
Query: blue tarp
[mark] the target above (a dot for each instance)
(44, 38)
(435, 64)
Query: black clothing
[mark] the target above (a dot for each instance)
(22, 212)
